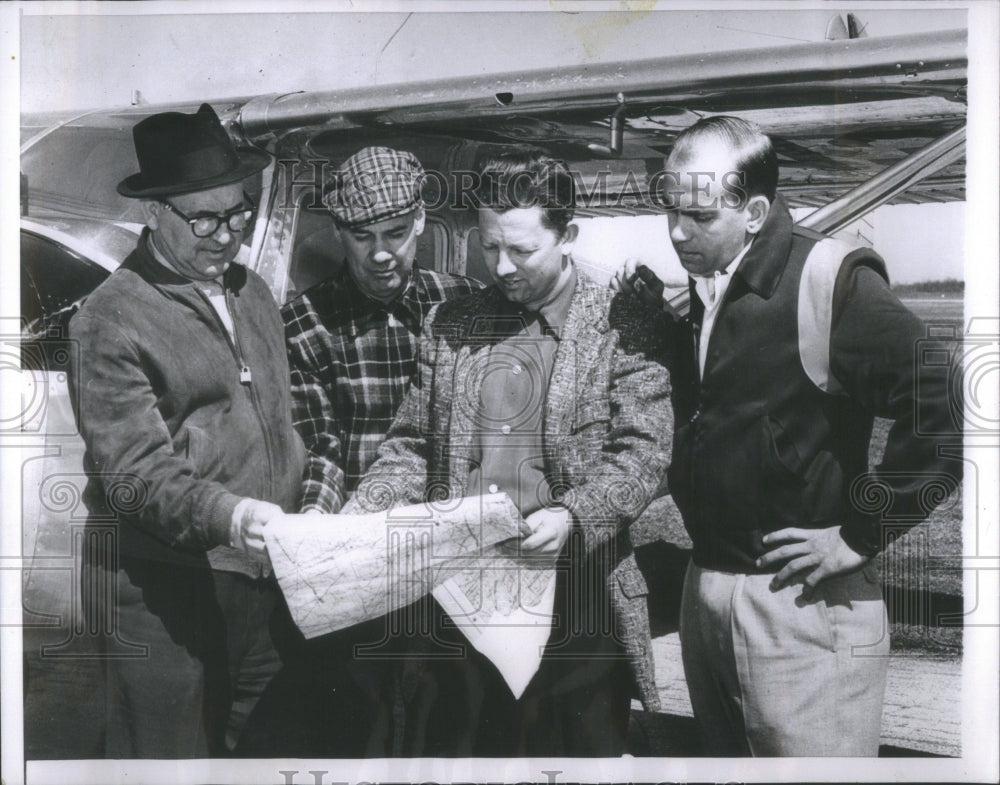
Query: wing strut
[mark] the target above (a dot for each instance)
(887, 183)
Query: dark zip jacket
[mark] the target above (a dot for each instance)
(759, 447)
(174, 439)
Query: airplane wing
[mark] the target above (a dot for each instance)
(840, 112)
(856, 122)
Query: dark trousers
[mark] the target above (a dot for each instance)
(576, 705)
(409, 684)
(333, 699)
(208, 657)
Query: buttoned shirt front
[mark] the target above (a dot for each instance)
(508, 454)
(352, 359)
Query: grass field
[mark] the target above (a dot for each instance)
(948, 288)
(922, 571)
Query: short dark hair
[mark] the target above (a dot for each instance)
(753, 150)
(528, 177)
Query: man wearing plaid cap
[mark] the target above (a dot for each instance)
(352, 338)
(352, 345)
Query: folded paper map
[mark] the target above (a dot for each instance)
(505, 610)
(339, 570)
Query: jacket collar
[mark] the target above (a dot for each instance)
(554, 313)
(589, 305)
(492, 313)
(142, 262)
(764, 263)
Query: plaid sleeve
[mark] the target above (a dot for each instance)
(312, 410)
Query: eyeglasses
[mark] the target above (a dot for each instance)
(207, 225)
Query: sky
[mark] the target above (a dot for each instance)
(81, 56)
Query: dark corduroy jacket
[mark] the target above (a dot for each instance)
(173, 438)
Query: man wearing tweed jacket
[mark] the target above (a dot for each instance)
(547, 387)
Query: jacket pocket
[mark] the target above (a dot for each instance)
(631, 580)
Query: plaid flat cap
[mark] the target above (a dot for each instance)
(374, 184)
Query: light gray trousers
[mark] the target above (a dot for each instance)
(771, 675)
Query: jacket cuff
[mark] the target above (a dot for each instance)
(219, 517)
(863, 534)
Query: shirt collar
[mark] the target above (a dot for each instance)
(701, 282)
(556, 310)
(406, 305)
(731, 267)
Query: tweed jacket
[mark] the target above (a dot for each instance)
(607, 428)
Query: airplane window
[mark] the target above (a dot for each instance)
(54, 283)
(74, 172)
(432, 246)
(318, 254)
(475, 266)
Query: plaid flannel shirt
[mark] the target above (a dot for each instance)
(352, 359)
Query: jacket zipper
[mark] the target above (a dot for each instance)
(245, 378)
(697, 428)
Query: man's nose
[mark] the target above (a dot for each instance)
(504, 265)
(382, 248)
(677, 231)
(223, 235)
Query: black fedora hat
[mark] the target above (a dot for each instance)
(179, 153)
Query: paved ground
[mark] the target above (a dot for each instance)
(64, 715)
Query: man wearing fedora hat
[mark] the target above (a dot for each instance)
(180, 389)
(352, 345)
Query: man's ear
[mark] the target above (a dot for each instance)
(418, 221)
(569, 238)
(757, 209)
(151, 213)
